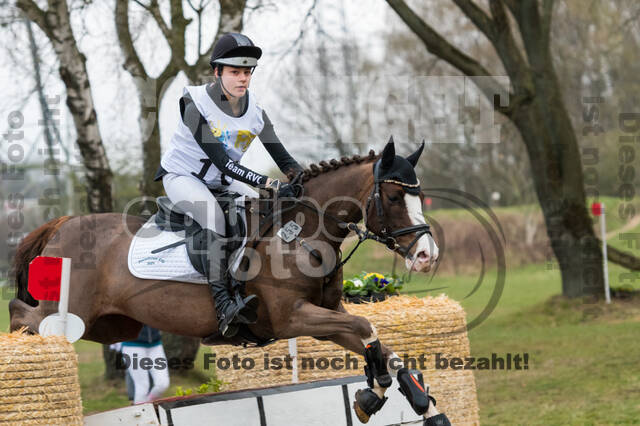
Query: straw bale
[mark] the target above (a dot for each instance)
(38, 381)
(410, 326)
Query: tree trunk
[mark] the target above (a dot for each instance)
(48, 123)
(55, 23)
(151, 160)
(180, 347)
(231, 21)
(110, 361)
(568, 224)
(538, 111)
(556, 166)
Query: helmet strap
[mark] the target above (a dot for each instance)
(219, 67)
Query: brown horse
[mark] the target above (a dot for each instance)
(301, 302)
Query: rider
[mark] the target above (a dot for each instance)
(219, 122)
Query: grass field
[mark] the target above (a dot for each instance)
(583, 365)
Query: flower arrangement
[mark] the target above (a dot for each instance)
(371, 286)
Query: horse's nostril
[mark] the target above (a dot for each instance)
(423, 256)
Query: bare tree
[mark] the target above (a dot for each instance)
(151, 89)
(537, 109)
(327, 97)
(56, 24)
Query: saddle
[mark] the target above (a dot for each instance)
(170, 217)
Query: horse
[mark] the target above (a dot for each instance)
(307, 301)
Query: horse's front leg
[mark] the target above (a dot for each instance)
(354, 343)
(359, 335)
(353, 332)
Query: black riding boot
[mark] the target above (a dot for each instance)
(231, 308)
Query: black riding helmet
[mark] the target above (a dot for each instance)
(236, 50)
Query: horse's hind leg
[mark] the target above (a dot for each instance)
(24, 315)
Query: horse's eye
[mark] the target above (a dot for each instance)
(393, 198)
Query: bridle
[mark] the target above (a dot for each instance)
(389, 238)
(386, 237)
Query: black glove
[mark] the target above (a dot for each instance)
(287, 190)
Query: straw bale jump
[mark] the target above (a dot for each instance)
(38, 381)
(412, 326)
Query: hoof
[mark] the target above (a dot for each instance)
(362, 416)
(367, 403)
(437, 420)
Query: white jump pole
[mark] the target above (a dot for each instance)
(293, 351)
(605, 266)
(63, 305)
(63, 323)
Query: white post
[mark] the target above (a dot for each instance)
(63, 322)
(63, 305)
(605, 267)
(293, 352)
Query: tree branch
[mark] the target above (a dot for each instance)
(300, 36)
(35, 14)
(622, 258)
(505, 44)
(438, 46)
(478, 16)
(154, 10)
(547, 12)
(132, 62)
(178, 33)
(231, 18)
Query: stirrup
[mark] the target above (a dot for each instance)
(213, 338)
(227, 329)
(248, 313)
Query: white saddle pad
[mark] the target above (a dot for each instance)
(172, 263)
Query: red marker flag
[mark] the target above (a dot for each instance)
(45, 274)
(596, 209)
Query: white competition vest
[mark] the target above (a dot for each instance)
(185, 157)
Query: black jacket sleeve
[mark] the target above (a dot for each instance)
(274, 147)
(212, 146)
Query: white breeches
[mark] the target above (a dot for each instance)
(140, 376)
(195, 198)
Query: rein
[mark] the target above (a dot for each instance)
(389, 239)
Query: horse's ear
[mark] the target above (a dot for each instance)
(413, 158)
(388, 154)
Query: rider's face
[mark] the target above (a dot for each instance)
(236, 79)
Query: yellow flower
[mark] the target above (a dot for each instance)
(373, 274)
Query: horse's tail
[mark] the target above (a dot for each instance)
(30, 247)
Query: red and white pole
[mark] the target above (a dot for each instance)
(49, 279)
(598, 210)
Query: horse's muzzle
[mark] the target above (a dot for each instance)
(419, 262)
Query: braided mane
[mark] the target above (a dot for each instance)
(322, 167)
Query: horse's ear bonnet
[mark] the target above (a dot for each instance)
(397, 169)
